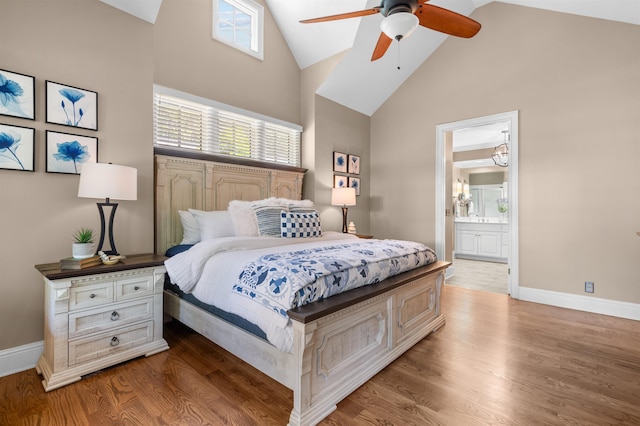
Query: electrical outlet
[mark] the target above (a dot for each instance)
(588, 287)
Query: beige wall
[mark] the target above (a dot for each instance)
(186, 58)
(88, 44)
(332, 127)
(92, 46)
(575, 83)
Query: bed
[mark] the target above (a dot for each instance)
(339, 342)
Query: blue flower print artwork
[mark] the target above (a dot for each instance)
(339, 162)
(354, 164)
(67, 153)
(340, 181)
(17, 148)
(17, 95)
(354, 182)
(71, 106)
(73, 96)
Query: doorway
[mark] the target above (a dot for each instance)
(444, 212)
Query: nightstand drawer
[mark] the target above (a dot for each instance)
(118, 340)
(96, 320)
(91, 295)
(134, 287)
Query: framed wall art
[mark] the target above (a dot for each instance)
(17, 95)
(17, 148)
(340, 181)
(354, 164)
(71, 106)
(66, 153)
(339, 162)
(354, 182)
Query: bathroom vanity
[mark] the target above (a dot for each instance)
(481, 239)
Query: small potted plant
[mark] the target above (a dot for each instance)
(83, 247)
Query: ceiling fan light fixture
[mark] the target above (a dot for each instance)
(399, 25)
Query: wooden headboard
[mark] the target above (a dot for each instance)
(184, 183)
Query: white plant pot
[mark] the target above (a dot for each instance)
(82, 250)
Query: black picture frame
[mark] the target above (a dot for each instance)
(17, 148)
(66, 152)
(71, 106)
(17, 95)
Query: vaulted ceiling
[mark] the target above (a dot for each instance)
(356, 82)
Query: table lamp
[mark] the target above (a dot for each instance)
(343, 197)
(108, 181)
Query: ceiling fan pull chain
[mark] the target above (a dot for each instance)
(398, 54)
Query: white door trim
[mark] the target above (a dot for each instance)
(441, 205)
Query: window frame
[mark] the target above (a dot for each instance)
(256, 12)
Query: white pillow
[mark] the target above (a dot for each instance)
(243, 218)
(301, 206)
(190, 230)
(213, 224)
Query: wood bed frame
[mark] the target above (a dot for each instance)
(340, 342)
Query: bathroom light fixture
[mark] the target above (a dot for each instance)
(500, 154)
(399, 25)
(343, 197)
(109, 181)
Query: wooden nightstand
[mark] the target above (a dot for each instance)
(100, 316)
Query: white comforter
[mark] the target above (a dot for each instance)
(216, 263)
(260, 279)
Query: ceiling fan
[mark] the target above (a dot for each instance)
(402, 17)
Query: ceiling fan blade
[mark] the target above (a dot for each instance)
(343, 16)
(446, 21)
(381, 47)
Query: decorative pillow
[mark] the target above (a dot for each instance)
(300, 225)
(302, 206)
(190, 230)
(213, 224)
(268, 218)
(243, 218)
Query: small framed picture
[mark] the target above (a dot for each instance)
(354, 182)
(17, 148)
(339, 181)
(354, 164)
(71, 106)
(17, 95)
(339, 162)
(66, 153)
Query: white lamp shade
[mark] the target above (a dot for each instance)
(399, 25)
(102, 180)
(343, 197)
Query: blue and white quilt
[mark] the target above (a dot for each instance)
(287, 280)
(261, 278)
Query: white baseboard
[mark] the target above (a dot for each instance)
(595, 305)
(20, 358)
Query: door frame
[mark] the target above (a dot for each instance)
(441, 203)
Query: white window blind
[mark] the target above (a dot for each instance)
(184, 121)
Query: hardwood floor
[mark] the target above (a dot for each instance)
(496, 361)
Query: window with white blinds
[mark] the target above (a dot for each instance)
(185, 121)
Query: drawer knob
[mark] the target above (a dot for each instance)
(115, 316)
(92, 296)
(115, 341)
(136, 288)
